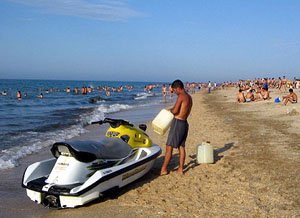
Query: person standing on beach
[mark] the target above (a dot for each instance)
(209, 86)
(179, 127)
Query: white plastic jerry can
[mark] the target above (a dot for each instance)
(205, 153)
(162, 121)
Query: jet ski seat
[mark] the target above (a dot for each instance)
(87, 151)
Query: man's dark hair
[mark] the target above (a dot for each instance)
(177, 84)
(290, 90)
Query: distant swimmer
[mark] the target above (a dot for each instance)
(40, 96)
(83, 90)
(164, 91)
(149, 88)
(19, 95)
(170, 90)
(4, 93)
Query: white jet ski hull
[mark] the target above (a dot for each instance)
(49, 182)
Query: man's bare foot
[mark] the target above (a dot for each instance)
(180, 171)
(163, 173)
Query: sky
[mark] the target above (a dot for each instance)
(149, 40)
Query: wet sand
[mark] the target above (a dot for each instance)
(256, 171)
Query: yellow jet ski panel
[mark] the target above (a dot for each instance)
(135, 137)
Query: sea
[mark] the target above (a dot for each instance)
(34, 123)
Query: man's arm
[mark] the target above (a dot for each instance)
(176, 109)
(295, 97)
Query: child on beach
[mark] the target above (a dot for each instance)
(179, 127)
(240, 98)
(250, 96)
(262, 94)
(292, 97)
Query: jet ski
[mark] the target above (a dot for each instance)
(81, 171)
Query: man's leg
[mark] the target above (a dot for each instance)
(290, 99)
(287, 100)
(181, 159)
(168, 156)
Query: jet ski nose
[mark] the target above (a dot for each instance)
(51, 201)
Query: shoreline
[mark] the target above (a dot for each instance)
(255, 173)
(15, 202)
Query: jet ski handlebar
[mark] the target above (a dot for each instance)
(113, 122)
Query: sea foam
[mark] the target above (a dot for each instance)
(9, 158)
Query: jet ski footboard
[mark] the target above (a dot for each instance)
(37, 184)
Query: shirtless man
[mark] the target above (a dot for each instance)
(284, 83)
(292, 97)
(240, 97)
(264, 94)
(179, 127)
(250, 96)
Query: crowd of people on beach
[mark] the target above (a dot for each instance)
(258, 89)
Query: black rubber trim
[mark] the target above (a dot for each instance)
(37, 184)
(24, 186)
(62, 189)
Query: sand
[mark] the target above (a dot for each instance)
(256, 171)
